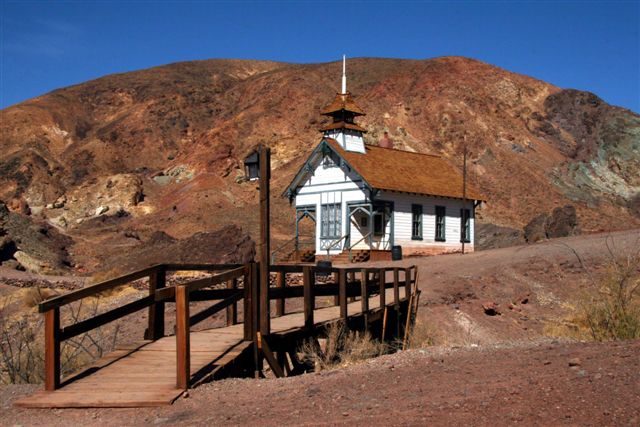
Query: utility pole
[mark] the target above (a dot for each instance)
(463, 228)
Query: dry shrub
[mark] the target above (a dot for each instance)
(31, 297)
(613, 313)
(422, 335)
(22, 344)
(342, 348)
(611, 310)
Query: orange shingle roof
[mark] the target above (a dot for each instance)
(397, 170)
(343, 102)
(342, 125)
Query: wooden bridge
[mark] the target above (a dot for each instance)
(157, 370)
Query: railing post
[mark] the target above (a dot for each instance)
(157, 280)
(255, 317)
(232, 310)
(183, 350)
(280, 283)
(396, 287)
(308, 282)
(247, 309)
(336, 298)
(364, 296)
(407, 282)
(351, 279)
(342, 295)
(383, 291)
(52, 349)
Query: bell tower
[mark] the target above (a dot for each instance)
(343, 110)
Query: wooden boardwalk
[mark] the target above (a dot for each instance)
(144, 374)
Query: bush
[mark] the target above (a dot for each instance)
(22, 343)
(342, 348)
(613, 313)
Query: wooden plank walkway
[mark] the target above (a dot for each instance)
(145, 374)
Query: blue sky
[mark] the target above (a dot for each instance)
(586, 45)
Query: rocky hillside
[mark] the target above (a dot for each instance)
(161, 149)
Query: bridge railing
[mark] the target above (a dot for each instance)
(158, 294)
(344, 284)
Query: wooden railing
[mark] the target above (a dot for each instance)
(187, 292)
(345, 285)
(158, 294)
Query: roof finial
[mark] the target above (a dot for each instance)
(344, 74)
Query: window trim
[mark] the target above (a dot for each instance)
(325, 221)
(443, 226)
(417, 210)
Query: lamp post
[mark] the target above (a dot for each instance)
(258, 167)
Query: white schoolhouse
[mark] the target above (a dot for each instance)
(365, 199)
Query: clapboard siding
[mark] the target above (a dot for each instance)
(403, 217)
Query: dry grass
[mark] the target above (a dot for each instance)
(342, 347)
(22, 342)
(610, 309)
(423, 335)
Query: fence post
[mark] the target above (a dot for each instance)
(336, 279)
(183, 350)
(232, 310)
(383, 291)
(157, 280)
(364, 296)
(52, 349)
(246, 308)
(255, 317)
(396, 287)
(281, 283)
(342, 295)
(308, 279)
(407, 282)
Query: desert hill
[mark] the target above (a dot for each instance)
(111, 161)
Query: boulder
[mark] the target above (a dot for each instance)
(535, 229)
(562, 222)
(34, 265)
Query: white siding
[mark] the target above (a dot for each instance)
(350, 140)
(330, 185)
(403, 217)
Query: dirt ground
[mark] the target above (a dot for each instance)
(531, 384)
(510, 368)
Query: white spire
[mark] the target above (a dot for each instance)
(344, 74)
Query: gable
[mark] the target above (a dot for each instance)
(323, 166)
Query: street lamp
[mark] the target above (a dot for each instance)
(258, 167)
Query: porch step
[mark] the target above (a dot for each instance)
(307, 255)
(356, 256)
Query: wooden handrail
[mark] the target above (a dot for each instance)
(79, 294)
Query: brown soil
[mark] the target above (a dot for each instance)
(531, 384)
(499, 370)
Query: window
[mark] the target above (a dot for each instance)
(416, 222)
(440, 225)
(465, 225)
(331, 225)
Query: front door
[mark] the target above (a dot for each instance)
(382, 238)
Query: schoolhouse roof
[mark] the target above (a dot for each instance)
(343, 101)
(389, 169)
(397, 170)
